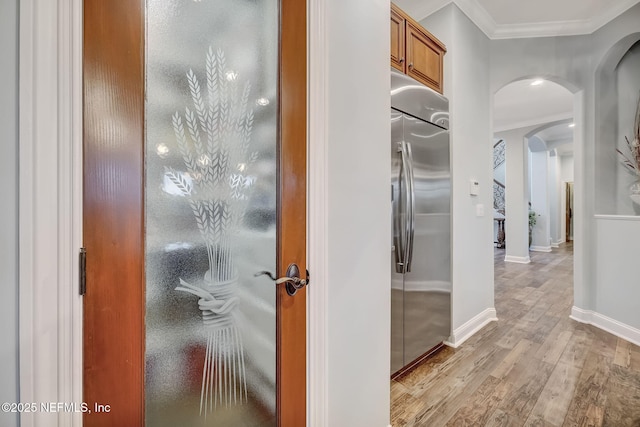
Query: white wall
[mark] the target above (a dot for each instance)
(9, 212)
(467, 87)
(566, 168)
(541, 233)
(359, 222)
(517, 196)
(618, 293)
(554, 198)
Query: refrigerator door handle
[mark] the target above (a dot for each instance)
(408, 200)
(412, 208)
(400, 229)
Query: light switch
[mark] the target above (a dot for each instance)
(479, 210)
(474, 187)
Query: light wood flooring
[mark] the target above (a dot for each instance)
(534, 367)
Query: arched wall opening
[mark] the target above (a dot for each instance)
(553, 143)
(533, 175)
(617, 89)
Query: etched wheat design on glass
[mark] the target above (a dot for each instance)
(214, 138)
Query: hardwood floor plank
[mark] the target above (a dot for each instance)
(623, 398)
(529, 378)
(499, 418)
(553, 403)
(540, 330)
(576, 350)
(623, 353)
(538, 421)
(589, 399)
(405, 405)
(523, 347)
(555, 344)
(480, 407)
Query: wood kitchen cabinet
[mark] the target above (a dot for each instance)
(415, 51)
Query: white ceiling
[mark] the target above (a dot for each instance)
(520, 104)
(559, 138)
(520, 18)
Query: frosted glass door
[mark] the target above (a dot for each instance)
(210, 182)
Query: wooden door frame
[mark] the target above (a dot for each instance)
(51, 116)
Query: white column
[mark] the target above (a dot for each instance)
(516, 198)
(540, 202)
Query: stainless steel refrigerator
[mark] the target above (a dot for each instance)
(421, 206)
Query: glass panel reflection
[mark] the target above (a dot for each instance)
(210, 212)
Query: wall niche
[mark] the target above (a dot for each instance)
(628, 82)
(617, 92)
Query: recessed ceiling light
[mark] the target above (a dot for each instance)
(572, 125)
(537, 82)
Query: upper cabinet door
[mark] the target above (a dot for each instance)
(397, 39)
(424, 57)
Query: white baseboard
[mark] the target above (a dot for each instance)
(605, 323)
(555, 245)
(467, 330)
(517, 259)
(540, 248)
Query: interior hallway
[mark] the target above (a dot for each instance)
(534, 367)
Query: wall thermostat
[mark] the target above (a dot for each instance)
(474, 187)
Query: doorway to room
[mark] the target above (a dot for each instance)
(568, 209)
(533, 159)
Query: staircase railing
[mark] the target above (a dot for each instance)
(499, 191)
(498, 196)
(498, 153)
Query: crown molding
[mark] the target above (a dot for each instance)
(478, 15)
(541, 29)
(483, 20)
(422, 9)
(615, 9)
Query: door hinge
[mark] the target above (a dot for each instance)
(83, 271)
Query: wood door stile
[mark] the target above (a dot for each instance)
(291, 315)
(114, 211)
(397, 39)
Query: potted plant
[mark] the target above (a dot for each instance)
(532, 222)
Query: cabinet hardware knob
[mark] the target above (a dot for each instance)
(411, 65)
(401, 60)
